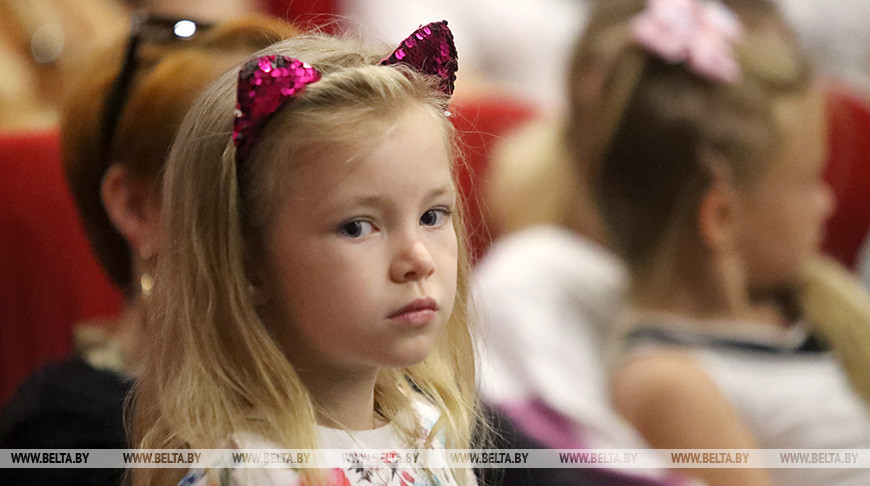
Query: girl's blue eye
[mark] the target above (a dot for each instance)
(435, 217)
(356, 228)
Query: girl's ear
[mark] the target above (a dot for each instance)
(718, 213)
(133, 206)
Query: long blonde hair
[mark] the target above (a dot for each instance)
(837, 307)
(212, 366)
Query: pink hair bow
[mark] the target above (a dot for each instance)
(699, 33)
(267, 82)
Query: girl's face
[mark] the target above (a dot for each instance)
(784, 212)
(362, 253)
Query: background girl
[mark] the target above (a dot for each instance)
(706, 126)
(313, 289)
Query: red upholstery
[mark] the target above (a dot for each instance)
(48, 277)
(848, 173)
(305, 14)
(481, 123)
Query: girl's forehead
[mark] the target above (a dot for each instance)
(357, 134)
(414, 141)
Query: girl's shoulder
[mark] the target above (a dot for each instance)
(249, 461)
(663, 379)
(675, 404)
(657, 376)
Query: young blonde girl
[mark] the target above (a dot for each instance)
(313, 288)
(705, 125)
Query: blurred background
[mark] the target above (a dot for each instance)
(509, 105)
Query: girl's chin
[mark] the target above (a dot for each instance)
(406, 357)
(405, 361)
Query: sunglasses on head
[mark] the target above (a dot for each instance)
(144, 28)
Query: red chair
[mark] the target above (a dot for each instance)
(848, 173)
(49, 279)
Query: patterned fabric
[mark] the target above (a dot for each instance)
(384, 473)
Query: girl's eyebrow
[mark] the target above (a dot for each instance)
(449, 189)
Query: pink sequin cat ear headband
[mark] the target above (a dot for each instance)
(267, 82)
(699, 33)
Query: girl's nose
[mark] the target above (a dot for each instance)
(413, 262)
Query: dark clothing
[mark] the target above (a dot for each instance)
(509, 437)
(66, 405)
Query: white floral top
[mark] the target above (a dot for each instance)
(383, 473)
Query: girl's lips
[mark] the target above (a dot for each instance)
(419, 312)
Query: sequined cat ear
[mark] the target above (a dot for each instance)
(429, 50)
(265, 83)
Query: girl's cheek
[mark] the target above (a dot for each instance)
(446, 238)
